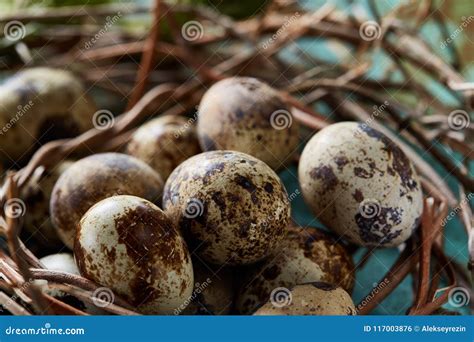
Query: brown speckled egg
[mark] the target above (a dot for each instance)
(36, 195)
(129, 245)
(316, 299)
(360, 184)
(213, 292)
(233, 208)
(39, 105)
(245, 114)
(94, 178)
(64, 262)
(306, 255)
(164, 143)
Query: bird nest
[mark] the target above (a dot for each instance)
(218, 47)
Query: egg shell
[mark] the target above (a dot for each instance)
(49, 103)
(36, 195)
(313, 299)
(231, 207)
(129, 245)
(306, 255)
(246, 115)
(213, 292)
(64, 262)
(94, 178)
(164, 143)
(361, 184)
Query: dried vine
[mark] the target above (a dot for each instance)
(345, 87)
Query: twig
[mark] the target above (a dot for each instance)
(395, 276)
(148, 57)
(12, 306)
(18, 254)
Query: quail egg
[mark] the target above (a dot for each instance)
(232, 207)
(129, 245)
(306, 255)
(316, 299)
(94, 178)
(360, 184)
(164, 143)
(38, 105)
(247, 115)
(64, 262)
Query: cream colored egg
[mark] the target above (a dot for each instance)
(129, 245)
(314, 299)
(233, 207)
(246, 115)
(94, 178)
(38, 105)
(164, 143)
(64, 262)
(306, 255)
(360, 184)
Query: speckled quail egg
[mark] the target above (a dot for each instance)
(36, 195)
(94, 178)
(316, 298)
(38, 105)
(360, 184)
(129, 245)
(164, 143)
(213, 292)
(232, 207)
(64, 262)
(246, 115)
(306, 255)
